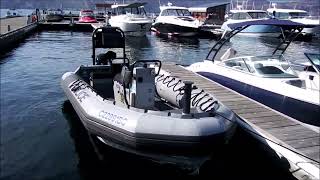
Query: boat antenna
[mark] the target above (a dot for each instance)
(231, 4)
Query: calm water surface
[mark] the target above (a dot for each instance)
(42, 137)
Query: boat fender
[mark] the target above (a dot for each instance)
(172, 89)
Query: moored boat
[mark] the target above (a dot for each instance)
(175, 21)
(269, 80)
(87, 16)
(238, 16)
(53, 15)
(132, 19)
(141, 109)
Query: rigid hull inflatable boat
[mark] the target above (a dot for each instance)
(141, 109)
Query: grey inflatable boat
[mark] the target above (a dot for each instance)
(140, 108)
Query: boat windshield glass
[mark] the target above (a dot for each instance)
(124, 10)
(290, 15)
(265, 66)
(294, 15)
(175, 12)
(258, 15)
(86, 13)
(315, 60)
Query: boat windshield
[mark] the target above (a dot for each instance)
(258, 15)
(175, 12)
(291, 15)
(86, 13)
(127, 10)
(54, 12)
(314, 60)
(265, 66)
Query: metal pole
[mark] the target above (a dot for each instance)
(187, 96)
(9, 28)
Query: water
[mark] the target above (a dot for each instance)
(42, 137)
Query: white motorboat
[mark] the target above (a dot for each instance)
(238, 16)
(266, 79)
(13, 13)
(141, 109)
(131, 19)
(53, 15)
(300, 16)
(175, 21)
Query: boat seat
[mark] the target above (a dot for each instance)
(102, 83)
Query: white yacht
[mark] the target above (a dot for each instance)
(175, 21)
(296, 15)
(53, 15)
(238, 16)
(130, 18)
(13, 13)
(270, 80)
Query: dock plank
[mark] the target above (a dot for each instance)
(14, 23)
(307, 142)
(282, 128)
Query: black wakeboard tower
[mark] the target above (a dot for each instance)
(292, 29)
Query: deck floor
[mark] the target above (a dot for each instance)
(15, 23)
(293, 134)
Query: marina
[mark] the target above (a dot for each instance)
(282, 147)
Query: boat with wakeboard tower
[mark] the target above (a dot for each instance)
(245, 15)
(270, 80)
(141, 109)
(299, 16)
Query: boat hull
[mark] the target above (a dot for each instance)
(174, 30)
(54, 18)
(297, 109)
(134, 28)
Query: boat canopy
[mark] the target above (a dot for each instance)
(272, 22)
(292, 28)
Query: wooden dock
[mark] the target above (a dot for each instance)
(19, 28)
(14, 23)
(282, 133)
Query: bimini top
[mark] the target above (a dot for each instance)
(132, 5)
(293, 29)
(272, 22)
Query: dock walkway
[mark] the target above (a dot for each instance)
(14, 23)
(275, 126)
